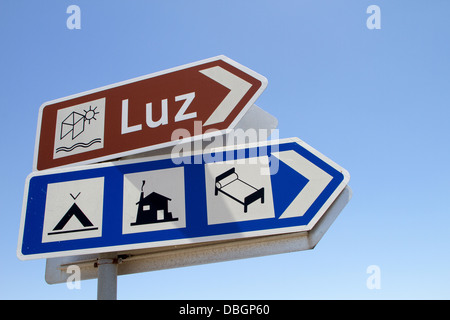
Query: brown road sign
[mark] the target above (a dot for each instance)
(144, 113)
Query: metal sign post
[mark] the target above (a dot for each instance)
(107, 276)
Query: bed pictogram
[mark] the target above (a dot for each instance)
(229, 184)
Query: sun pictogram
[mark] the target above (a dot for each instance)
(90, 114)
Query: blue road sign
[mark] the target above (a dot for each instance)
(227, 193)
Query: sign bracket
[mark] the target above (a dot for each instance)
(145, 260)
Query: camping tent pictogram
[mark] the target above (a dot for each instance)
(73, 211)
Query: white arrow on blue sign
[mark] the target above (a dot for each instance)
(259, 189)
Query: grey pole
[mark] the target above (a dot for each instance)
(107, 276)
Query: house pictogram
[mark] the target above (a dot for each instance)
(153, 208)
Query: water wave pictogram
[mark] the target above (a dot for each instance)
(79, 145)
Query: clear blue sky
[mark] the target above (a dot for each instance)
(374, 101)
